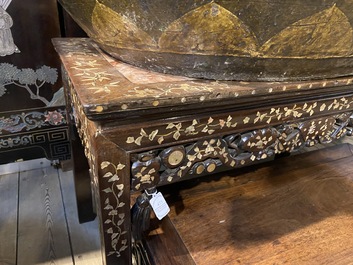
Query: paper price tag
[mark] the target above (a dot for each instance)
(159, 205)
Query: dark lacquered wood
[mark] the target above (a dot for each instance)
(31, 106)
(83, 190)
(141, 129)
(82, 175)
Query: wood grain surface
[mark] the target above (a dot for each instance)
(85, 240)
(39, 221)
(165, 246)
(294, 210)
(42, 231)
(8, 218)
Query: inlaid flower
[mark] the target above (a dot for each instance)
(222, 123)
(54, 117)
(145, 174)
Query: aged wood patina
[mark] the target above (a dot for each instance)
(295, 210)
(222, 39)
(142, 129)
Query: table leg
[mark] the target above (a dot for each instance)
(112, 190)
(82, 176)
(82, 179)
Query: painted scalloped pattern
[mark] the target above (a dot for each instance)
(212, 29)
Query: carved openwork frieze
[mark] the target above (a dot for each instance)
(215, 154)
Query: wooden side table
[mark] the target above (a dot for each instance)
(141, 129)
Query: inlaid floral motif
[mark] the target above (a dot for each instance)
(212, 125)
(32, 120)
(176, 130)
(54, 117)
(145, 172)
(81, 123)
(114, 190)
(112, 205)
(93, 78)
(236, 150)
(104, 82)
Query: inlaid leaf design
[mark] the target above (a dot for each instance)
(160, 140)
(130, 140)
(104, 164)
(108, 175)
(153, 135)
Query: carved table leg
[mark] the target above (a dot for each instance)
(140, 216)
(140, 221)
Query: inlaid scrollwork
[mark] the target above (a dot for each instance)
(27, 121)
(172, 164)
(16, 141)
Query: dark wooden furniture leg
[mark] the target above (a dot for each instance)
(86, 211)
(81, 169)
(112, 195)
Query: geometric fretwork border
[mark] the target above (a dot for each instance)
(54, 143)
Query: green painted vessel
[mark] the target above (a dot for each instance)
(225, 40)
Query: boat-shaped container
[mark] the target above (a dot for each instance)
(225, 40)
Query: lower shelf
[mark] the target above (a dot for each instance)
(294, 210)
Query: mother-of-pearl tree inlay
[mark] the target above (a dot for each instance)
(7, 45)
(29, 79)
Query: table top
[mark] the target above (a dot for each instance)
(108, 87)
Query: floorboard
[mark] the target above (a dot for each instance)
(8, 218)
(42, 230)
(86, 247)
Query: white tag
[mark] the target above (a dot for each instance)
(159, 205)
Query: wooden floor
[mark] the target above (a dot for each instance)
(38, 221)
